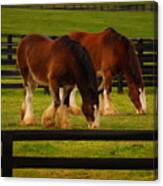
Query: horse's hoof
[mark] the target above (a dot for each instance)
(65, 125)
(30, 121)
(48, 123)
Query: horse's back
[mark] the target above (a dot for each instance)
(33, 41)
(108, 49)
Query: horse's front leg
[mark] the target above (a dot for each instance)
(49, 113)
(106, 100)
(73, 107)
(62, 112)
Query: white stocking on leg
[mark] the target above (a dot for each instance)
(74, 108)
(108, 106)
(28, 118)
(101, 104)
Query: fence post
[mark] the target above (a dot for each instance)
(9, 47)
(120, 83)
(140, 51)
(7, 148)
(46, 90)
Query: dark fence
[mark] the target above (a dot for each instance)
(9, 162)
(146, 51)
(148, 6)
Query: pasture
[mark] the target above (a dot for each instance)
(60, 22)
(126, 120)
(57, 22)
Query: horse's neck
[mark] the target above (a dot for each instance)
(83, 89)
(132, 84)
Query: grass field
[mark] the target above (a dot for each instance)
(126, 120)
(57, 22)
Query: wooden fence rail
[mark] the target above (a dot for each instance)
(146, 51)
(150, 6)
(9, 162)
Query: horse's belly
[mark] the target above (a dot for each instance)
(39, 75)
(39, 79)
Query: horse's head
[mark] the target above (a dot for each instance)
(138, 97)
(90, 106)
(92, 114)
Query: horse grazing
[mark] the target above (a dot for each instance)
(113, 53)
(60, 64)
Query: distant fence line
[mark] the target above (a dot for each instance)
(146, 51)
(92, 6)
(9, 162)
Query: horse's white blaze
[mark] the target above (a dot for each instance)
(106, 101)
(96, 123)
(142, 98)
(28, 103)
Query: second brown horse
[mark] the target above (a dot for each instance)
(112, 53)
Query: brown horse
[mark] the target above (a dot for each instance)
(112, 53)
(57, 63)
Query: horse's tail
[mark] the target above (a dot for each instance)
(19, 55)
(134, 64)
(21, 60)
(84, 62)
(17, 61)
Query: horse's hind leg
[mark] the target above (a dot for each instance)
(27, 116)
(108, 108)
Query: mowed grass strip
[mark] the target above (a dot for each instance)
(127, 119)
(94, 149)
(144, 175)
(60, 22)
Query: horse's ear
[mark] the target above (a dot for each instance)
(110, 29)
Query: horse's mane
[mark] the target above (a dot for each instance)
(129, 55)
(83, 60)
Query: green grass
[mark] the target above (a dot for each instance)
(126, 120)
(57, 22)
